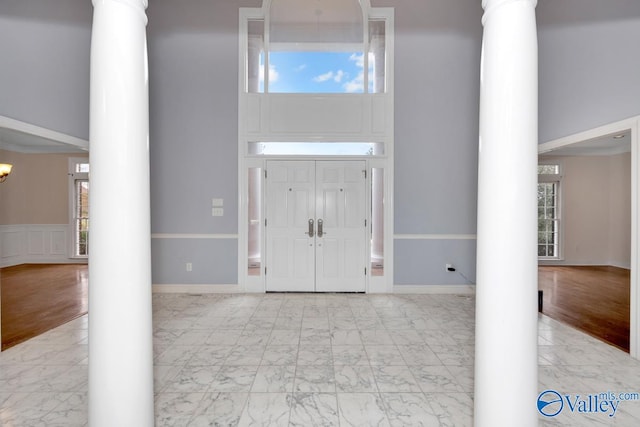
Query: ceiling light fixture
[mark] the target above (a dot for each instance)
(5, 170)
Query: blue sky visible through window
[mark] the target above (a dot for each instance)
(316, 72)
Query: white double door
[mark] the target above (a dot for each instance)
(316, 226)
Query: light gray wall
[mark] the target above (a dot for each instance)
(589, 64)
(437, 66)
(44, 72)
(589, 68)
(193, 63)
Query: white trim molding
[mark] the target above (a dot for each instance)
(195, 289)
(435, 236)
(193, 236)
(35, 244)
(435, 289)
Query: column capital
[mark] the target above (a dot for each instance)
(491, 5)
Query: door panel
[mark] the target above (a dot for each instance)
(332, 192)
(340, 204)
(290, 196)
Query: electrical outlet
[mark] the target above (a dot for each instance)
(189, 266)
(217, 212)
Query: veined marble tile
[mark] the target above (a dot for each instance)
(314, 409)
(407, 337)
(207, 355)
(243, 355)
(432, 379)
(192, 379)
(345, 337)
(464, 375)
(455, 355)
(340, 312)
(219, 409)
(314, 355)
(274, 379)
(284, 337)
(315, 379)
(355, 379)
(395, 379)
(223, 337)
(266, 409)
(315, 323)
(452, 409)
(192, 337)
(409, 409)
(362, 410)
(419, 354)
(437, 337)
(236, 322)
(349, 355)
(233, 379)
(280, 355)
(384, 355)
(25, 408)
(288, 322)
(315, 337)
(176, 355)
(254, 337)
(375, 337)
(70, 413)
(175, 409)
(340, 323)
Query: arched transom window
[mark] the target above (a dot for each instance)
(316, 46)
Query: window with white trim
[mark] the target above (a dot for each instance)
(549, 187)
(309, 47)
(79, 205)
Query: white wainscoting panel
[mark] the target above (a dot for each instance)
(34, 243)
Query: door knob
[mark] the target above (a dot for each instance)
(310, 232)
(320, 232)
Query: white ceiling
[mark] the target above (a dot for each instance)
(605, 145)
(27, 138)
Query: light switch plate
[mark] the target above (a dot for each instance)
(217, 203)
(217, 212)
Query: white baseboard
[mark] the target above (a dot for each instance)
(196, 289)
(434, 289)
(232, 289)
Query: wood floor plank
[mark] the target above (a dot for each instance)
(594, 299)
(39, 297)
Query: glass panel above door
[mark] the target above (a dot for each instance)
(316, 148)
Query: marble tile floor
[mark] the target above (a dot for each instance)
(310, 360)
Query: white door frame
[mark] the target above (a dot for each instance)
(374, 284)
(633, 125)
(314, 246)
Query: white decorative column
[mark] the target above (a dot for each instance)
(120, 326)
(506, 367)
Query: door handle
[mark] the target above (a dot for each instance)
(310, 232)
(320, 232)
